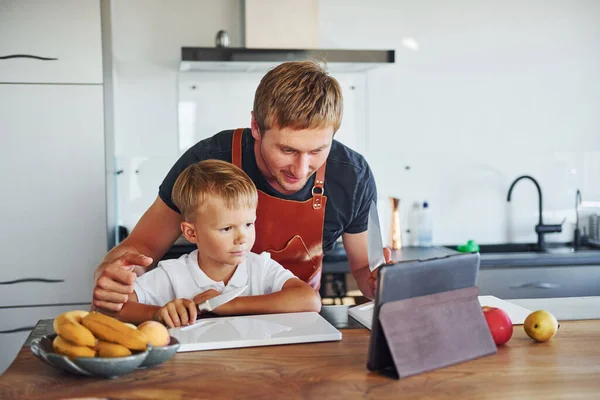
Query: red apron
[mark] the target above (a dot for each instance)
(291, 231)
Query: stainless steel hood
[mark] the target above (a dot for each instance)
(225, 59)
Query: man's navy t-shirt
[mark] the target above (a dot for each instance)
(349, 183)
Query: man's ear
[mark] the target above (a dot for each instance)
(189, 232)
(254, 127)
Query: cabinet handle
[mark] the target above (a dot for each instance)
(537, 285)
(23, 329)
(32, 280)
(28, 56)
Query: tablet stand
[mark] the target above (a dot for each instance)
(434, 331)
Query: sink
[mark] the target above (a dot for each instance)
(528, 248)
(508, 248)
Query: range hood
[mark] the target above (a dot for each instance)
(240, 59)
(283, 38)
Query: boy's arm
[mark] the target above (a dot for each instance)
(136, 313)
(295, 296)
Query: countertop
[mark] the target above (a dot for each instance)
(336, 261)
(337, 315)
(565, 308)
(568, 366)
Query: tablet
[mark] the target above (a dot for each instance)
(411, 279)
(255, 330)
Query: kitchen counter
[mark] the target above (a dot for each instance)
(336, 261)
(568, 366)
(551, 258)
(565, 308)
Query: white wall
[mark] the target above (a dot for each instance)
(495, 90)
(147, 40)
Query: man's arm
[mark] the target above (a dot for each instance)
(152, 236)
(357, 250)
(295, 296)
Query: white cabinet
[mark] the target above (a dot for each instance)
(68, 31)
(53, 203)
(53, 179)
(16, 324)
(540, 281)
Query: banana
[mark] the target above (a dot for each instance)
(112, 330)
(68, 325)
(106, 349)
(64, 347)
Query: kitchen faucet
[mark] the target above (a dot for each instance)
(540, 228)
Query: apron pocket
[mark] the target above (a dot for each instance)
(296, 257)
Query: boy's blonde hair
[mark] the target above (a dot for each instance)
(298, 95)
(209, 178)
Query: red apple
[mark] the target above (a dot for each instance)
(499, 323)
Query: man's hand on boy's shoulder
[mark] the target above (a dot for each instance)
(114, 280)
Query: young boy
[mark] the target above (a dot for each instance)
(218, 203)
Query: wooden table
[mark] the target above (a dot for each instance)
(567, 367)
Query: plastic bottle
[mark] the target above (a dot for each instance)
(425, 226)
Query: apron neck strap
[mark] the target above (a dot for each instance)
(236, 149)
(317, 190)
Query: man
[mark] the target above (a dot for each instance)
(312, 189)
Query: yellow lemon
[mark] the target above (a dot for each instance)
(541, 325)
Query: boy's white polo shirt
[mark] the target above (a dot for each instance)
(183, 278)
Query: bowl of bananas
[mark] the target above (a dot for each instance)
(93, 344)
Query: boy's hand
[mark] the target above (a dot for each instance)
(207, 295)
(177, 312)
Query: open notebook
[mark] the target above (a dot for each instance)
(517, 314)
(255, 330)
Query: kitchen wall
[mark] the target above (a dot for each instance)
(494, 90)
(481, 93)
(147, 40)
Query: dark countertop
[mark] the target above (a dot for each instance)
(336, 262)
(553, 257)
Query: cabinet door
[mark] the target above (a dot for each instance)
(56, 41)
(17, 323)
(540, 282)
(53, 201)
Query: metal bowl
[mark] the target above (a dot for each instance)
(88, 366)
(159, 355)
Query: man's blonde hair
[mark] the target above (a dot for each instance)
(298, 95)
(208, 178)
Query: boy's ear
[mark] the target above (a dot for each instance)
(189, 232)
